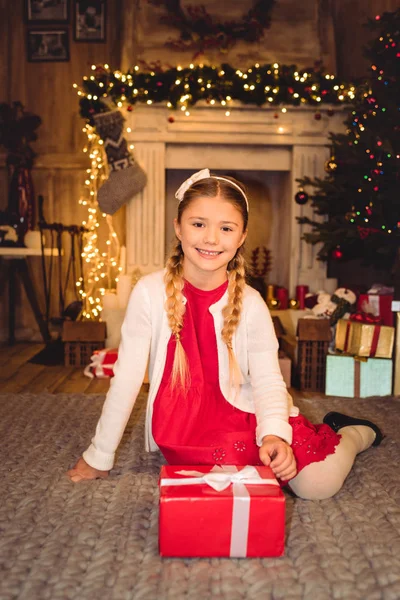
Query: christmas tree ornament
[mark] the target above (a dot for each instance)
(337, 253)
(171, 119)
(301, 197)
(331, 165)
(126, 177)
(294, 304)
(317, 116)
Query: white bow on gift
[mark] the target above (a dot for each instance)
(220, 478)
(203, 174)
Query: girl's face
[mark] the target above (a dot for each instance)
(210, 231)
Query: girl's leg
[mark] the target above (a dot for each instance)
(321, 480)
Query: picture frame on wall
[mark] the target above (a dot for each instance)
(47, 11)
(90, 21)
(48, 45)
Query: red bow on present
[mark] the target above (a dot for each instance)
(363, 317)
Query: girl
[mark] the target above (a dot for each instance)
(216, 394)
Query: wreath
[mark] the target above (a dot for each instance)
(199, 32)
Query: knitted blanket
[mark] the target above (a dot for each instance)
(98, 540)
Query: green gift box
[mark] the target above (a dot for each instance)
(353, 378)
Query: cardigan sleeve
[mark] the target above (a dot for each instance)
(129, 371)
(269, 390)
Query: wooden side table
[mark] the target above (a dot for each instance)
(16, 259)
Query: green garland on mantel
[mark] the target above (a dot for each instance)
(183, 87)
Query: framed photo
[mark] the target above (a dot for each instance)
(47, 11)
(48, 45)
(90, 20)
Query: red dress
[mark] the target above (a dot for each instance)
(201, 426)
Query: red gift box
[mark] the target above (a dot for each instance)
(102, 363)
(380, 305)
(243, 516)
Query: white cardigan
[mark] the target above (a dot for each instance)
(145, 330)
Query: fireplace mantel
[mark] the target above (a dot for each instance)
(250, 138)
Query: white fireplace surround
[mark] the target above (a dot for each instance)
(249, 139)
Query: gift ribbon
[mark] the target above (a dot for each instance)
(367, 318)
(357, 378)
(97, 365)
(375, 335)
(220, 478)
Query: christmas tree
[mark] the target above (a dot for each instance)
(360, 197)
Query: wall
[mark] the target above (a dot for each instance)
(46, 89)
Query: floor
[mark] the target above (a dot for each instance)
(19, 375)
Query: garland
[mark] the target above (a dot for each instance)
(182, 88)
(199, 32)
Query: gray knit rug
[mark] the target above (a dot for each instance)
(98, 540)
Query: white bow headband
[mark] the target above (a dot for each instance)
(205, 174)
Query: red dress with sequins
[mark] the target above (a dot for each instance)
(201, 426)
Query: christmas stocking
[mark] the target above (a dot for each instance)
(126, 177)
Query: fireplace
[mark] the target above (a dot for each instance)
(265, 148)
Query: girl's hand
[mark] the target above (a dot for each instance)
(82, 471)
(277, 454)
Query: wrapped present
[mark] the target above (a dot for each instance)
(364, 339)
(221, 511)
(378, 305)
(102, 363)
(353, 378)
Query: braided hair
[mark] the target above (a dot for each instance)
(174, 282)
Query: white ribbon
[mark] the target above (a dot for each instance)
(203, 174)
(96, 364)
(220, 478)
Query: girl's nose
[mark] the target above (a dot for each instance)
(211, 235)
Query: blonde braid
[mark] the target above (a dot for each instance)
(175, 309)
(232, 312)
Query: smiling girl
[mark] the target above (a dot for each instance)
(216, 393)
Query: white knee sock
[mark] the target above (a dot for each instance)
(324, 479)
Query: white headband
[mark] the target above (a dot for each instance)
(205, 174)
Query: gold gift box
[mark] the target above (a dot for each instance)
(357, 338)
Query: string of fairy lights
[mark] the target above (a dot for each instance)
(177, 88)
(101, 267)
(183, 87)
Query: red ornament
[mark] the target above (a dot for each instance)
(330, 112)
(337, 254)
(171, 119)
(276, 116)
(317, 116)
(301, 197)
(130, 108)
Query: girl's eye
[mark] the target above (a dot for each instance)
(198, 224)
(226, 229)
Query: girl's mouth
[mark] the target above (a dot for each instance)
(208, 253)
